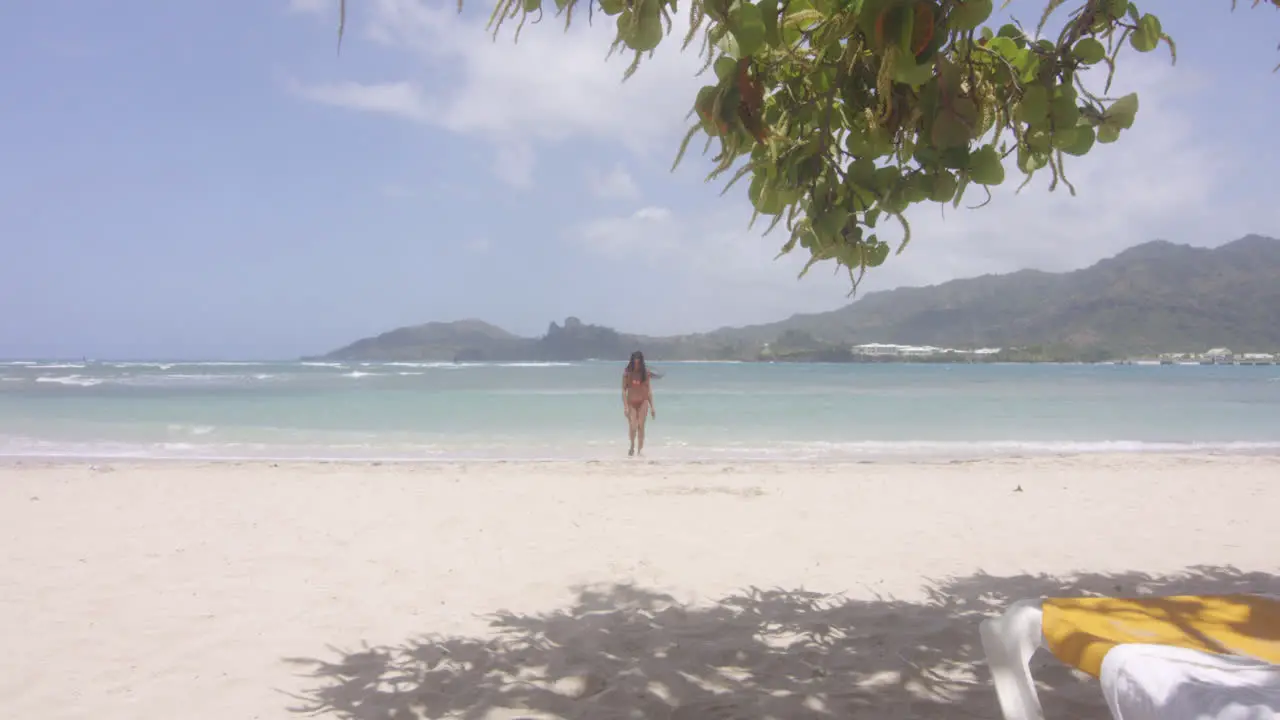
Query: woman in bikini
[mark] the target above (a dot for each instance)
(637, 398)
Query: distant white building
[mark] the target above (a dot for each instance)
(878, 349)
(921, 350)
(892, 350)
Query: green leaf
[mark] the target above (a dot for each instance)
(790, 35)
(1038, 140)
(862, 172)
(1029, 64)
(876, 254)
(1147, 37)
(611, 7)
(969, 14)
(626, 25)
(725, 67)
(705, 106)
(918, 188)
(648, 32)
(950, 131)
(1064, 137)
(747, 25)
(802, 19)
(1107, 133)
(531, 6)
(1006, 47)
(943, 187)
(857, 144)
(879, 142)
(769, 16)
(823, 79)
(1089, 51)
(862, 201)
(830, 223)
(1082, 143)
(764, 197)
(1034, 107)
(728, 44)
(925, 154)
(886, 178)
(985, 167)
(1122, 112)
(640, 31)
(1063, 112)
(1030, 161)
(908, 72)
(954, 158)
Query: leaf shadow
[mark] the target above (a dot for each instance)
(623, 651)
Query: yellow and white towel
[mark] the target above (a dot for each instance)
(1080, 631)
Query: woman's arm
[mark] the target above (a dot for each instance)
(653, 413)
(624, 392)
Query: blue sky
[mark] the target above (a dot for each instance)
(207, 179)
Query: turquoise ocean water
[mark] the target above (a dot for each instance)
(706, 411)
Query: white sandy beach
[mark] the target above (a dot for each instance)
(166, 590)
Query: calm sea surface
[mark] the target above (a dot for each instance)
(395, 411)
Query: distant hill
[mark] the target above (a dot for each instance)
(474, 340)
(436, 341)
(1154, 297)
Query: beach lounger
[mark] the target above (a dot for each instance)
(1204, 657)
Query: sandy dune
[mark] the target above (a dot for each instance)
(628, 590)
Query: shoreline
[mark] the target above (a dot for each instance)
(953, 357)
(1254, 450)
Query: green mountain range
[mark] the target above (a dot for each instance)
(1151, 298)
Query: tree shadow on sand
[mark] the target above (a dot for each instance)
(626, 652)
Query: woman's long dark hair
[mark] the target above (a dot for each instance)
(636, 367)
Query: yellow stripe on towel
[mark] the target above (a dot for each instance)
(1080, 631)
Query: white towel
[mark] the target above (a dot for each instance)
(1150, 682)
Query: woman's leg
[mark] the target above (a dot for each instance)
(642, 413)
(631, 428)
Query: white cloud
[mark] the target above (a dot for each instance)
(714, 270)
(550, 87)
(647, 233)
(616, 184)
(402, 99)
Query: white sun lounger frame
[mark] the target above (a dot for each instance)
(1009, 640)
